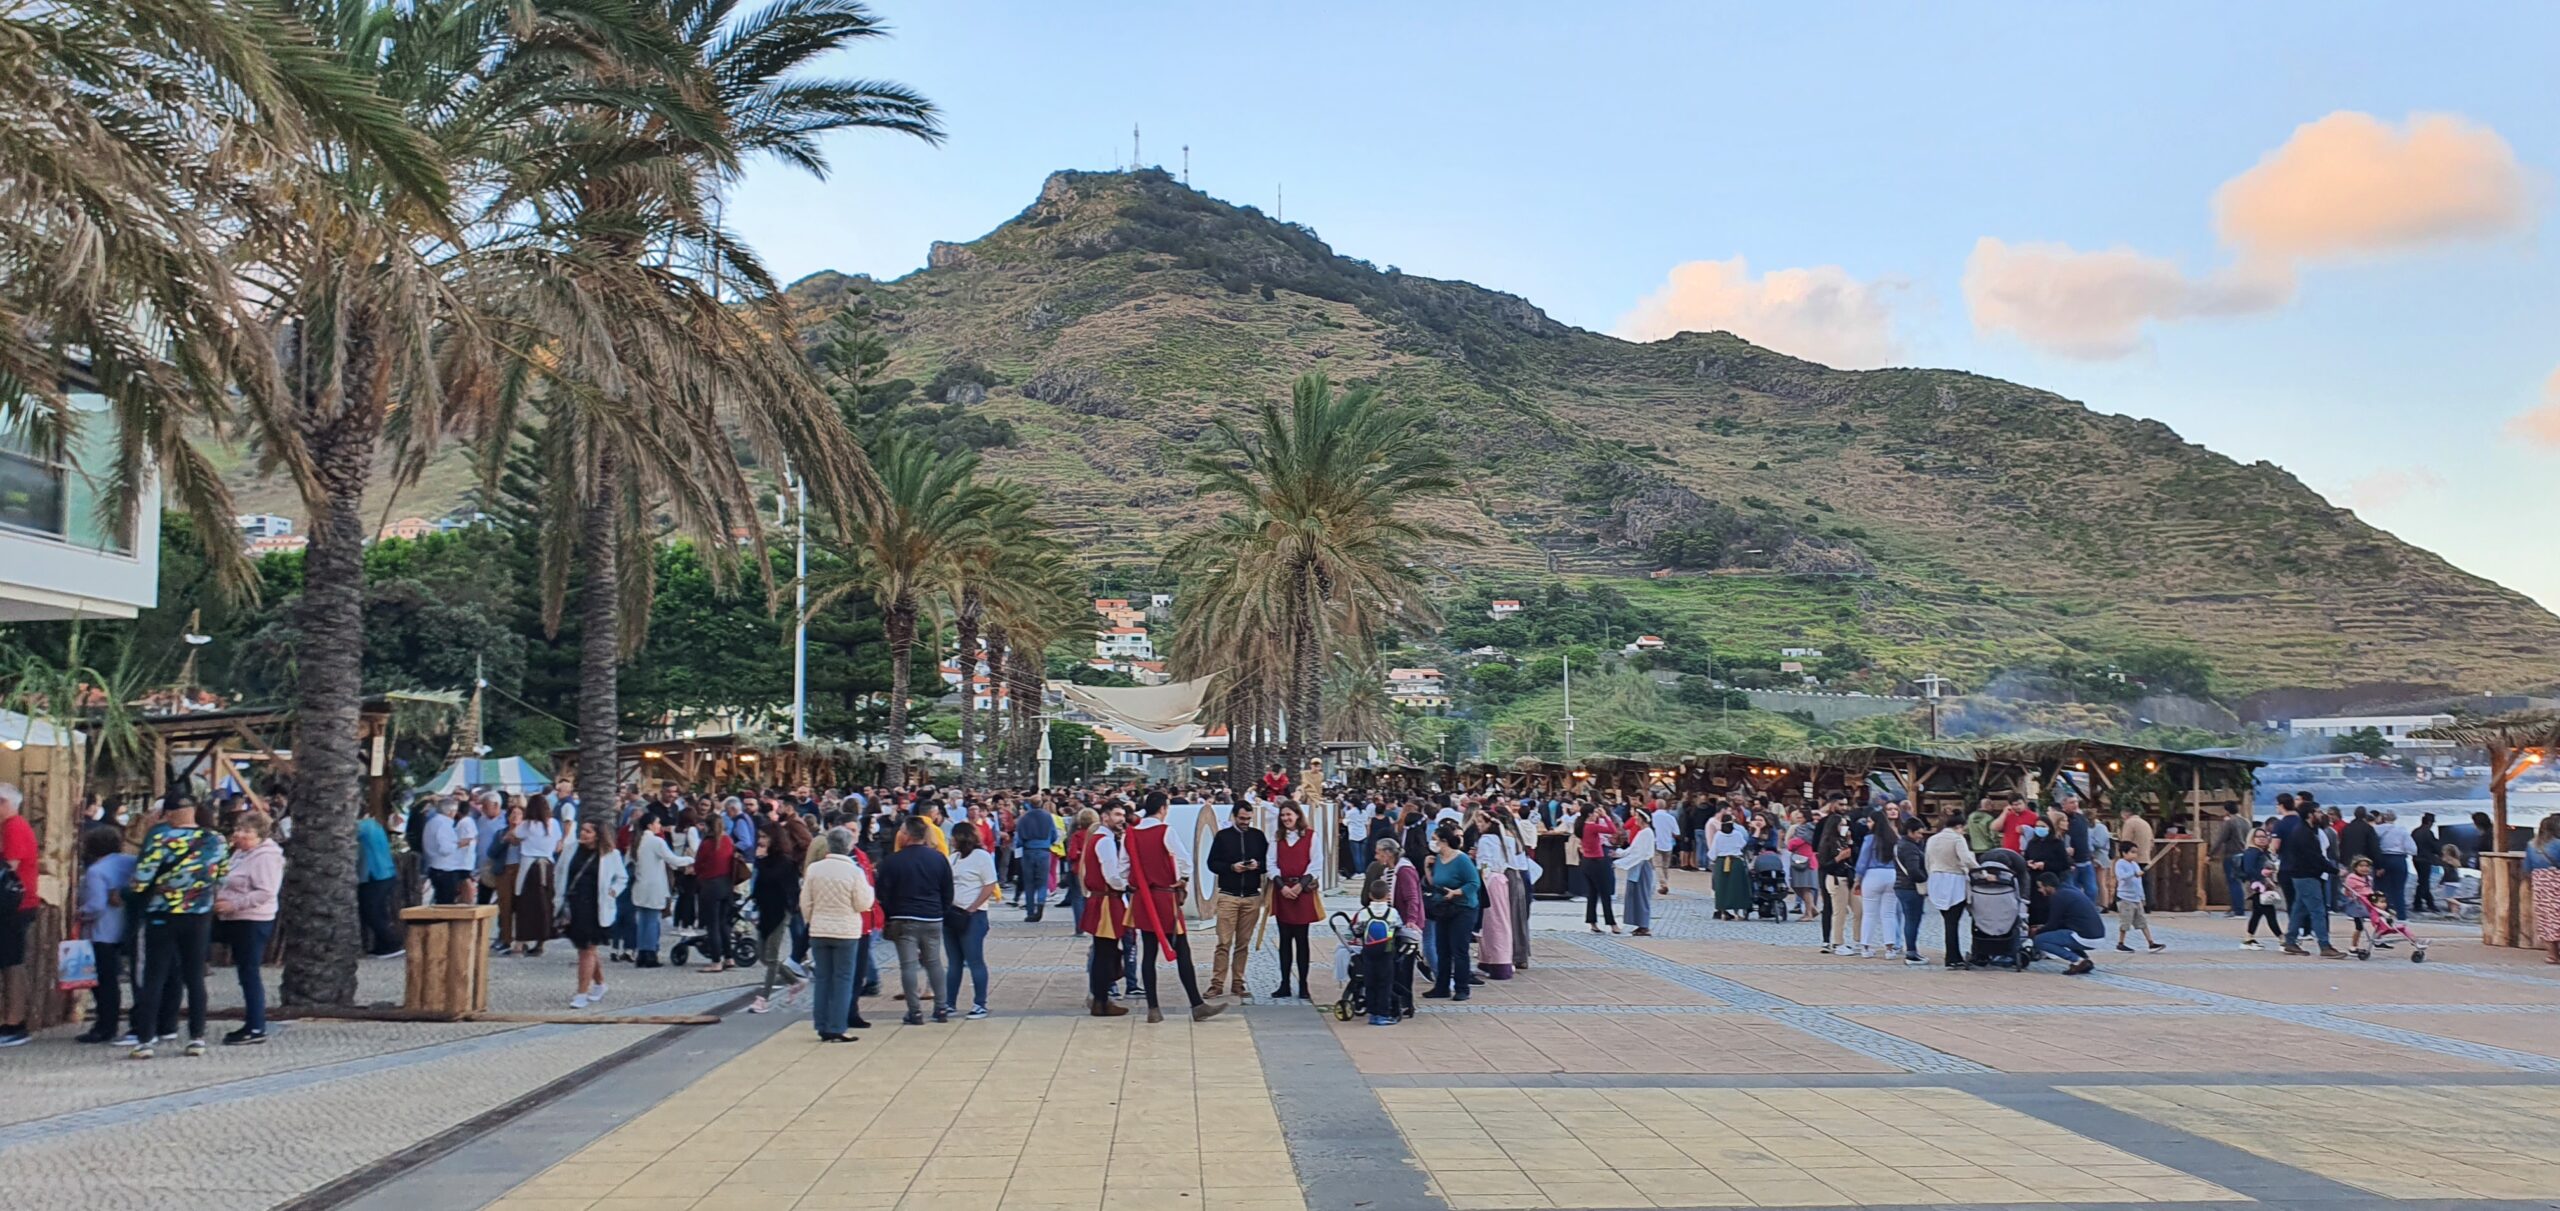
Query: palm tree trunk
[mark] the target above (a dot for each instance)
(1306, 682)
(902, 642)
(1244, 737)
(971, 605)
(328, 783)
(599, 647)
(999, 706)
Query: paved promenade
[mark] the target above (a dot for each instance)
(1719, 1064)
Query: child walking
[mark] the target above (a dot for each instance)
(2258, 877)
(2132, 903)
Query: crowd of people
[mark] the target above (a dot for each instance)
(798, 885)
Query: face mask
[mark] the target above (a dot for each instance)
(2043, 831)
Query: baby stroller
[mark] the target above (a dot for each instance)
(1771, 896)
(745, 948)
(1996, 900)
(1356, 945)
(2380, 924)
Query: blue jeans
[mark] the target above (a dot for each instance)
(1035, 882)
(2308, 900)
(1449, 959)
(645, 935)
(2236, 896)
(831, 1000)
(2062, 943)
(2084, 875)
(866, 978)
(625, 931)
(1914, 906)
(965, 941)
(248, 942)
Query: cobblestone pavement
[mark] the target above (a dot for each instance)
(1715, 1064)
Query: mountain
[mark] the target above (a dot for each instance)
(1933, 520)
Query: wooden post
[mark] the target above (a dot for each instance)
(448, 974)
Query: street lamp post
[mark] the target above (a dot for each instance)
(1568, 708)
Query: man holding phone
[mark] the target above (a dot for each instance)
(1240, 858)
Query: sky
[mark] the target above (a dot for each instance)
(2314, 235)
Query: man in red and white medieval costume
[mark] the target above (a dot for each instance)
(1157, 870)
(1102, 867)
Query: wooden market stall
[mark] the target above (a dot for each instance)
(44, 762)
(730, 761)
(2179, 792)
(1783, 779)
(1933, 782)
(2512, 744)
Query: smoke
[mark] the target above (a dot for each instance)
(2540, 425)
(1822, 314)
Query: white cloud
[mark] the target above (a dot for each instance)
(1822, 314)
(2096, 305)
(2346, 184)
(2540, 424)
(2351, 183)
(2383, 489)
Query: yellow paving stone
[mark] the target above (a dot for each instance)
(1496, 1202)
(1487, 1181)
(1593, 1194)
(538, 1203)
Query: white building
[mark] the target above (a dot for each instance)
(263, 525)
(59, 558)
(1124, 643)
(1503, 607)
(2394, 728)
(1802, 653)
(1645, 643)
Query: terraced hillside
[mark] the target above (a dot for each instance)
(1939, 520)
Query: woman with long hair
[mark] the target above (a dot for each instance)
(1295, 903)
(964, 923)
(583, 905)
(777, 897)
(536, 849)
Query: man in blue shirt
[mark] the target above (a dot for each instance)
(2071, 924)
(376, 876)
(2303, 865)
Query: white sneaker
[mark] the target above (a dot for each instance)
(758, 1006)
(580, 1001)
(2250, 944)
(596, 995)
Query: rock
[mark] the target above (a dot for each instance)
(965, 394)
(942, 254)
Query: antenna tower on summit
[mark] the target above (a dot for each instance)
(1186, 165)
(1137, 159)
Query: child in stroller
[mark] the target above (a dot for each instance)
(1374, 959)
(2373, 919)
(1771, 897)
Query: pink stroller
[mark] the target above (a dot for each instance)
(2366, 907)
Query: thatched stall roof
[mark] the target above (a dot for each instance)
(1942, 775)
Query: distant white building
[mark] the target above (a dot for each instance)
(1160, 601)
(1124, 643)
(1645, 643)
(1801, 653)
(1503, 607)
(2394, 728)
(59, 557)
(263, 525)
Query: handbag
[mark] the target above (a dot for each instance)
(1441, 908)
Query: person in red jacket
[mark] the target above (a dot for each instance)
(1104, 915)
(1154, 871)
(17, 977)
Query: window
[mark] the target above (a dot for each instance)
(50, 494)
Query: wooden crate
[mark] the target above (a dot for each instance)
(448, 959)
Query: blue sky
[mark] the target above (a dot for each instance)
(2372, 325)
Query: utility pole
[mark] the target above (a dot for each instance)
(1137, 159)
(1568, 708)
(1280, 204)
(1186, 166)
(1930, 686)
(800, 632)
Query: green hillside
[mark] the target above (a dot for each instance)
(1932, 519)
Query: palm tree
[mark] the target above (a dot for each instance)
(1324, 491)
(906, 554)
(644, 399)
(126, 132)
(1008, 572)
